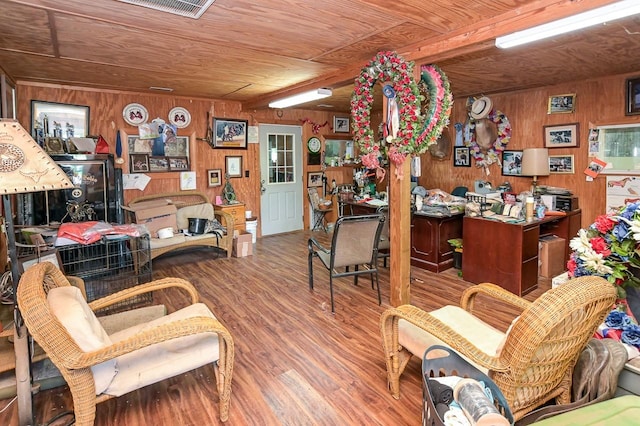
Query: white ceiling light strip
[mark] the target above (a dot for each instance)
(621, 9)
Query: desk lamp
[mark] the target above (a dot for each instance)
(24, 168)
(535, 162)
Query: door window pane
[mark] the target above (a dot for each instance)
(281, 155)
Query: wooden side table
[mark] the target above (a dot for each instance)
(236, 211)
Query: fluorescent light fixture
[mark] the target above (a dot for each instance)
(301, 98)
(600, 15)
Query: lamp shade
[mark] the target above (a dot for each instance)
(535, 162)
(24, 165)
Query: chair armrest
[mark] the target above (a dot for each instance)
(77, 282)
(313, 242)
(432, 325)
(161, 284)
(173, 330)
(226, 220)
(469, 295)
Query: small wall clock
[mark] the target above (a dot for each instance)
(314, 145)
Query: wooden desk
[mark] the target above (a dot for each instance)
(429, 234)
(506, 254)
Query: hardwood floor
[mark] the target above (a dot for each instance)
(295, 363)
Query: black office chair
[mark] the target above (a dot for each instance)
(384, 244)
(319, 213)
(354, 244)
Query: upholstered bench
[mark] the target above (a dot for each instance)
(190, 204)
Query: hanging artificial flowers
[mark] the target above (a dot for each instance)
(492, 155)
(388, 67)
(439, 104)
(414, 132)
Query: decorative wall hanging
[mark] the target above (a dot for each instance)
(135, 114)
(414, 131)
(483, 114)
(315, 127)
(179, 117)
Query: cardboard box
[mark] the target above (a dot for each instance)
(552, 252)
(155, 215)
(242, 245)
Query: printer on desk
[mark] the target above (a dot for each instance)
(559, 199)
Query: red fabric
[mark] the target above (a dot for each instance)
(80, 232)
(90, 232)
(102, 147)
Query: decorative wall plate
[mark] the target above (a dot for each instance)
(135, 114)
(179, 117)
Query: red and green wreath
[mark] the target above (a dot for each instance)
(415, 132)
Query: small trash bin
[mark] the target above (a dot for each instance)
(252, 227)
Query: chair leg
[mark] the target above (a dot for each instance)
(331, 291)
(378, 286)
(310, 262)
(355, 277)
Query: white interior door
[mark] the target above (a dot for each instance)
(281, 178)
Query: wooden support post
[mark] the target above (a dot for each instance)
(400, 234)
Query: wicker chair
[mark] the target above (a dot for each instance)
(354, 244)
(531, 364)
(197, 331)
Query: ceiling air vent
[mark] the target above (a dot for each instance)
(189, 8)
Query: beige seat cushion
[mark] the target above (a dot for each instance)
(70, 308)
(202, 211)
(167, 359)
(156, 243)
(481, 334)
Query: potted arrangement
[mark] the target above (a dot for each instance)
(456, 244)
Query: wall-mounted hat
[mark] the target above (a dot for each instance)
(480, 108)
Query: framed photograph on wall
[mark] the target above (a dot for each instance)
(512, 163)
(138, 163)
(178, 164)
(314, 179)
(633, 96)
(341, 124)
(229, 133)
(214, 177)
(158, 164)
(562, 104)
(561, 164)
(234, 165)
(561, 136)
(59, 120)
(461, 156)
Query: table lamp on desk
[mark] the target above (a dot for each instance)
(535, 162)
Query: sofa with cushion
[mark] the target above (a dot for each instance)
(190, 204)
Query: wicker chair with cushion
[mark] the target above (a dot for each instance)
(531, 363)
(97, 366)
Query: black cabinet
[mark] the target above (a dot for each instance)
(97, 193)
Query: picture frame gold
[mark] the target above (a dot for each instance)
(561, 164)
(562, 104)
(214, 178)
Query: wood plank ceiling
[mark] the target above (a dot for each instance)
(254, 51)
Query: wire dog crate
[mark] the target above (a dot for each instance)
(114, 263)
